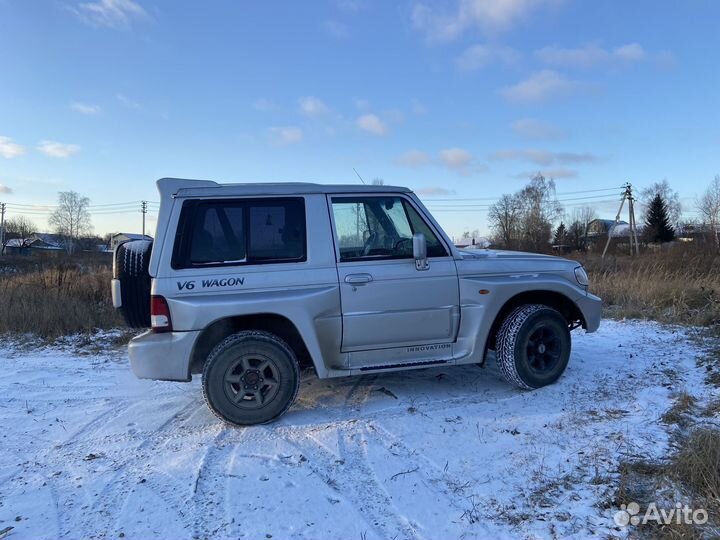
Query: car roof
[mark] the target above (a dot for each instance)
(180, 187)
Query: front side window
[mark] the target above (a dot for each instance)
(379, 228)
(220, 232)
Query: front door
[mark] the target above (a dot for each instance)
(386, 302)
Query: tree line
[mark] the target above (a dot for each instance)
(532, 219)
(70, 220)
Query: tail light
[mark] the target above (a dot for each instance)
(160, 315)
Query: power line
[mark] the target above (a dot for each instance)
(457, 199)
(579, 201)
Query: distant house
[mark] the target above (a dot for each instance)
(118, 238)
(601, 228)
(37, 243)
(473, 242)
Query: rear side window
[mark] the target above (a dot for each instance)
(254, 231)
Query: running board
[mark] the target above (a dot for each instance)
(405, 364)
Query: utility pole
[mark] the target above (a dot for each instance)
(143, 209)
(2, 228)
(626, 196)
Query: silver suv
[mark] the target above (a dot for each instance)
(248, 283)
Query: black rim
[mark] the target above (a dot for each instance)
(544, 349)
(251, 381)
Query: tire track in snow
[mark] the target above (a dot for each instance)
(128, 474)
(210, 473)
(349, 476)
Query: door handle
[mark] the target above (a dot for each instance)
(358, 279)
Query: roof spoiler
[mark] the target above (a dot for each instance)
(168, 187)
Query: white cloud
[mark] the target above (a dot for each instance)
(488, 15)
(372, 124)
(264, 105)
(632, 52)
(480, 56)
(57, 149)
(110, 13)
(336, 29)
(575, 157)
(590, 55)
(129, 103)
(585, 57)
(543, 157)
(313, 107)
(559, 172)
(10, 149)
(5, 190)
(539, 87)
(413, 158)
(529, 128)
(286, 135)
(434, 191)
(456, 159)
(84, 108)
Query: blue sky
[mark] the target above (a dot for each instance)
(462, 99)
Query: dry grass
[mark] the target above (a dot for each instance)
(678, 413)
(55, 298)
(697, 464)
(713, 408)
(678, 285)
(694, 468)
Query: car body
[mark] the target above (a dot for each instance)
(337, 272)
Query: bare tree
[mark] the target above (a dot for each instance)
(504, 218)
(540, 210)
(577, 236)
(526, 219)
(71, 219)
(17, 227)
(378, 182)
(583, 216)
(709, 207)
(668, 194)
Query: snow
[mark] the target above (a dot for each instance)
(87, 450)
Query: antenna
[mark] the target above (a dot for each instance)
(358, 175)
(143, 210)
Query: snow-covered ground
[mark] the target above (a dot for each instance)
(88, 451)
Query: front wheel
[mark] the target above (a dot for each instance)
(533, 346)
(251, 377)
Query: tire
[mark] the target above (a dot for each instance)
(533, 346)
(131, 261)
(237, 372)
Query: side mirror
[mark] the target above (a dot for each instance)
(420, 251)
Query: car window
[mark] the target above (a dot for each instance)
(277, 231)
(378, 228)
(418, 224)
(218, 235)
(240, 232)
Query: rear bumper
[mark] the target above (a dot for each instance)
(591, 308)
(164, 356)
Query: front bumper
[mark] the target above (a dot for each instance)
(591, 308)
(164, 357)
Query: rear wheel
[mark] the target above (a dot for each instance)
(251, 377)
(533, 346)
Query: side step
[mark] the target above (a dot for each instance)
(406, 364)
